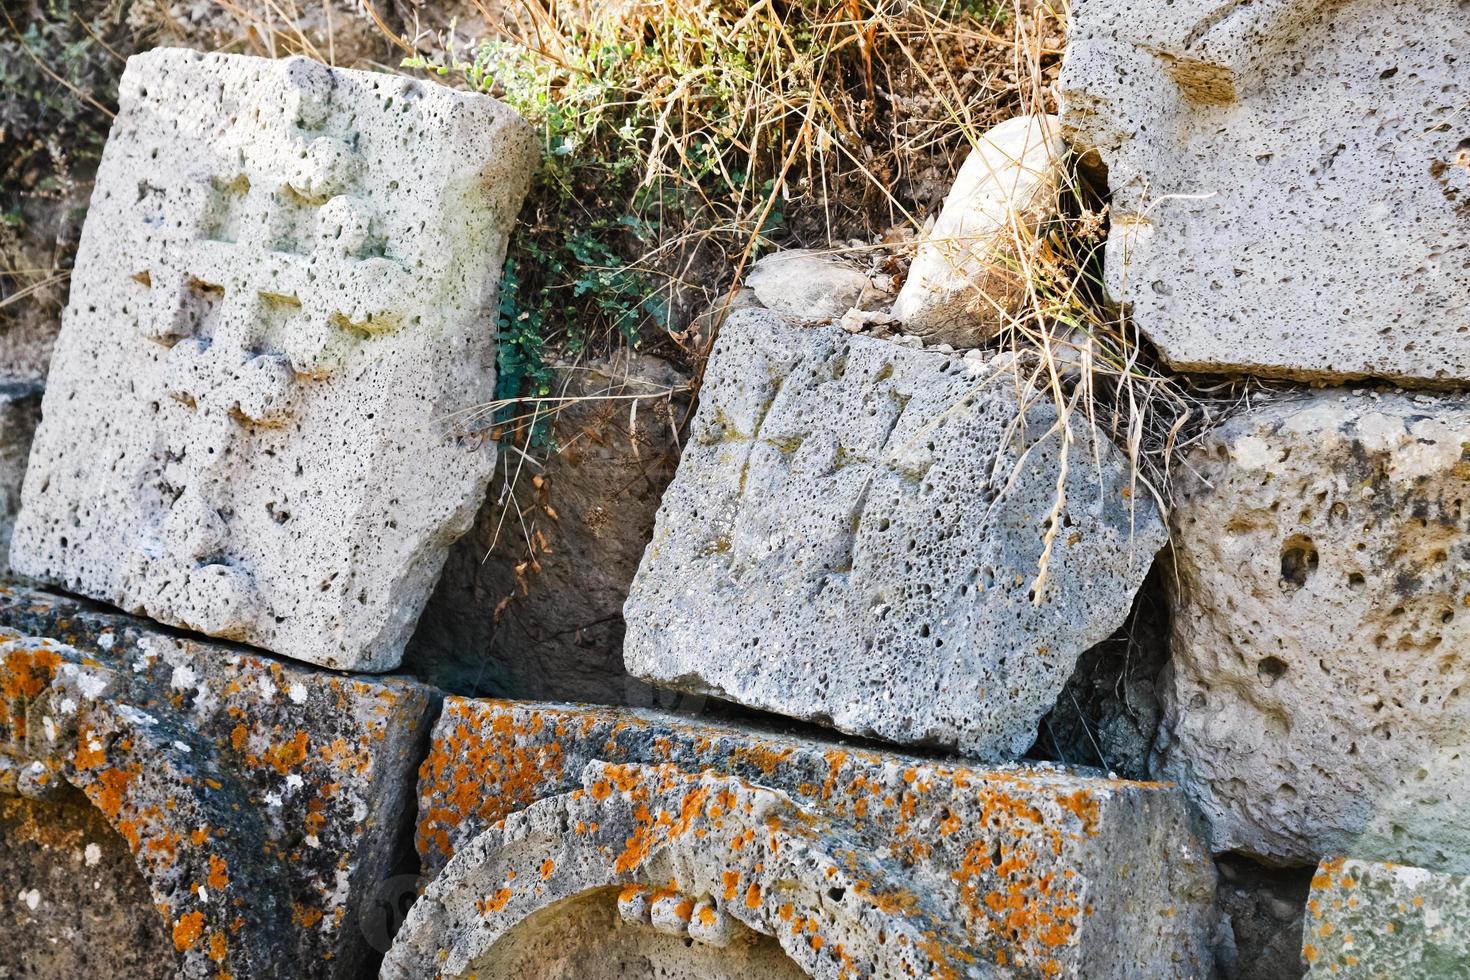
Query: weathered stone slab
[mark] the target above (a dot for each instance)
(261, 802)
(1290, 181)
(969, 275)
(284, 291)
(811, 284)
(1320, 694)
(1388, 921)
(856, 533)
(1037, 870)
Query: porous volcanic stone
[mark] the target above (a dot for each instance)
(262, 802)
(969, 273)
(1320, 691)
(284, 291)
(855, 536)
(1387, 922)
(1290, 180)
(833, 852)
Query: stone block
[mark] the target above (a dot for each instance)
(284, 292)
(530, 604)
(969, 275)
(1290, 180)
(886, 540)
(261, 803)
(1319, 701)
(822, 859)
(1386, 921)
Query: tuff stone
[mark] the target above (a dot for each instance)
(544, 619)
(855, 536)
(828, 853)
(285, 287)
(969, 274)
(260, 801)
(1289, 180)
(1318, 698)
(1389, 921)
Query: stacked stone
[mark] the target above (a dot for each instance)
(1290, 184)
(283, 297)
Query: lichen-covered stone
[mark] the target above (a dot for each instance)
(530, 604)
(1040, 870)
(1290, 180)
(1386, 922)
(970, 272)
(1319, 700)
(886, 540)
(261, 801)
(284, 291)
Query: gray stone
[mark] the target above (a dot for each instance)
(856, 536)
(261, 802)
(1320, 694)
(807, 283)
(1290, 185)
(1387, 922)
(530, 604)
(749, 844)
(283, 294)
(20, 411)
(969, 275)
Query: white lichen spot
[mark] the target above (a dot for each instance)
(32, 898)
(183, 678)
(106, 640)
(92, 854)
(298, 693)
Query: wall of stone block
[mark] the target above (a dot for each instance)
(869, 662)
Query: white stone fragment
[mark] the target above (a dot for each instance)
(1319, 699)
(284, 291)
(969, 274)
(855, 536)
(1290, 180)
(807, 283)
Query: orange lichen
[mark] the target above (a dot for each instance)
(187, 930)
(218, 877)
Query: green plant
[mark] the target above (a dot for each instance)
(684, 137)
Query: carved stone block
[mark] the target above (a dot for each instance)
(778, 856)
(284, 293)
(895, 542)
(261, 802)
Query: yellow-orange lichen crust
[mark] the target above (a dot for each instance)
(1027, 861)
(837, 909)
(260, 799)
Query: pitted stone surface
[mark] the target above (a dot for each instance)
(855, 536)
(969, 275)
(284, 291)
(1041, 870)
(1290, 180)
(1319, 701)
(261, 801)
(1386, 922)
